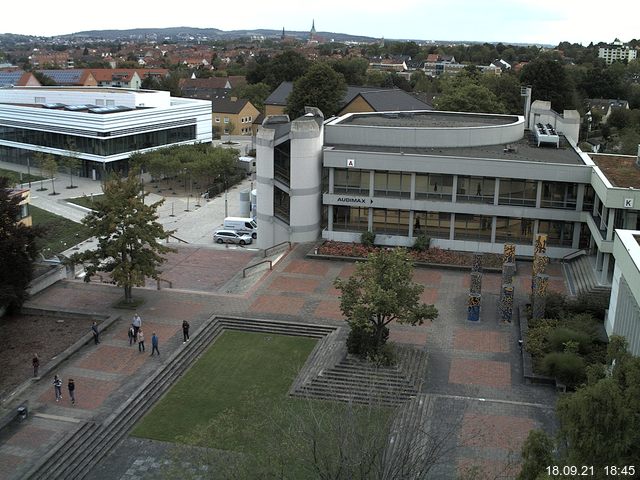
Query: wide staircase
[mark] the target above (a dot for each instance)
(332, 374)
(85, 446)
(582, 277)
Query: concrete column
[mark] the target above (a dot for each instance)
(372, 179)
(580, 197)
(494, 222)
(454, 189)
(598, 260)
(575, 242)
(604, 274)
(413, 186)
(330, 219)
(331, 178)
(496, 191)
(411, 217)
(612, 217)
(539, 194)
(452, 225)
(370, 220)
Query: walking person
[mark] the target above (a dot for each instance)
(140, 340)
(154, 344)
(185, 331)
(57, 387)
(96, 333)
(132, 335)
(136, 323)
(72, 391)
(36, 364)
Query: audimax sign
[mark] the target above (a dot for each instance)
(365, 202)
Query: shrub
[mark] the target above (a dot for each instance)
(593, 303)
(559, 337)
(537, 343)
(368, 238)
(422, 243)
(385, 357)
(555, 305)
(569, 368)
(361, 341)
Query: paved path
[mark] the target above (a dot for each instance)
(474, 369)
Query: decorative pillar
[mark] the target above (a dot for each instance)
(539, 298)
(477, 262)
(506, 302)
(473, 314)
(476, 283)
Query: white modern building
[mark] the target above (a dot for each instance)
(617, 52)
(100, 126)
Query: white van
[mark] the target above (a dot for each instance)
(242, 225)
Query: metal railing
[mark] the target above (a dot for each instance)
(163, 280)
(572, 255)
(244, 270)
(273, 247)
(179, 239)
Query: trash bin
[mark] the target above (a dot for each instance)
(22, 413)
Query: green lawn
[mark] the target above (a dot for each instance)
(85, 201)
(60, 233)
(234, 398)
(16, 175)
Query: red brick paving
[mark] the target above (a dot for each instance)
(417, 337)
(554, 285)
(480, 341)
(294, 284)
(347, 270)
(429, 296)
(308, 267)
(328, 309)
(277, 304)
(491, 283)
(427, 276)
(8, 464)
(107, 358)
(480, 372)
(497, 431)
(171, 309)
(163, 331)
(90, 392)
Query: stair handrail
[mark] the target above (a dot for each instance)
(572, 255)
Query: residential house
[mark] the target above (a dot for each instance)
(71, 78)
(617, 52)
(24, 216)
(210, 88)
(18, 78)
(604, 106)
(117, 77)
(233, 116)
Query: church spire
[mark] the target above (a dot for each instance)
(312, 33)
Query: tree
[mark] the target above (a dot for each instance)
(129, 237)
(285, 67)
(462, 94)
(320, 87)
(256, 93)
(50, 167)
(72, 163)
(536, 455)
(354, 70)
(17, 249)
(549, 81)
(379, 292)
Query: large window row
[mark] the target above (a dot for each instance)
(95, 146)
(282, 162)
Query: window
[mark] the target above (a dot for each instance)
(588, 199)
(111, 103)
(226, 119)
(559, 195)
(559, 234)
(282, 162)
(281, 205)
(390, 221)
(351, 181)
(392, 184)
(475, 189)
(514, 230)
(518, 192)
(429, 185)
(40, 100)
(472, 227)
(436, 224)
(350, 219)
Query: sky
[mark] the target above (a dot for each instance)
(507, 21)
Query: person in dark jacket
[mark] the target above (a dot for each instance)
(185, 331)
(96, 333)
(57, 387)
(36, 364)
(72, 391)
(154, 344)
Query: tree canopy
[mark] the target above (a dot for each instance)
(17, 249)
(549, 81)
(381, 291)
(464, 94)
(129, 236)
(321, 87)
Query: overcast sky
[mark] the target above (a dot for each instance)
(516, 21)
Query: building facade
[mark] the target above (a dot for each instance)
(100, 126)
(617, 52)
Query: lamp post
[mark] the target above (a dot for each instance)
(589, 120)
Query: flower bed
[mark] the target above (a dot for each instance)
(433, 255)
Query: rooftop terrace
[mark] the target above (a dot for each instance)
(428, 119)
(620, 170)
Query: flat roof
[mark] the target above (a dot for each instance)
(620, 170)
(428, 119)
(524, 150)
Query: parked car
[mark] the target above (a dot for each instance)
(231, 236)
(242, 225)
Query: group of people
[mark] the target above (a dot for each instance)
(136, 335)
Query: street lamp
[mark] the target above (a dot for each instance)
(589, 120)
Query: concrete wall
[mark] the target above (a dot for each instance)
(567, 124)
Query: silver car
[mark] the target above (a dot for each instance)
(231, 236)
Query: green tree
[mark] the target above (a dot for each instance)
(462, 94)
(381, 291)
(354, 70)
(320, 87)
(129, 236)
(17, 250)
(256, 93)
(287, 66)
(549, 81)
(72, 163)
(50, 168)
(537, 454)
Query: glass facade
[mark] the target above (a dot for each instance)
(475, 189)
(99, 146)
(588, 199)
(282, 162)
(350, 219)
(559, 195)
(518, 192)
(516, 230)
(472, 227)
(434, 224)
(351, 181)
(391, 222)
(392, 184)
(281, 204)
(430, 185)
(559, 234)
